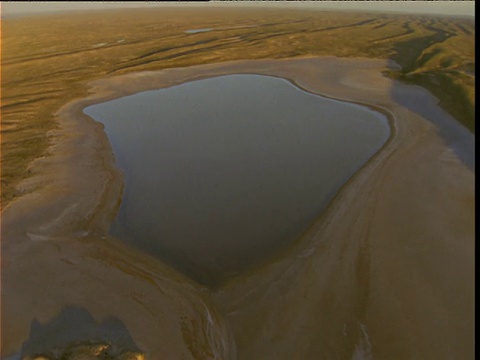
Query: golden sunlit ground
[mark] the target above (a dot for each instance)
(385, 272)
(46, 59)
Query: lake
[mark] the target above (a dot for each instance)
(221, 173)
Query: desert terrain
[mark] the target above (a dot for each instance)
(386, 272)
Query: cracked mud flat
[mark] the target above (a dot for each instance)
(387, 271)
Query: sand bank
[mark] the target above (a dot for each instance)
(387, 270)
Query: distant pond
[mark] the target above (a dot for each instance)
(222, 172)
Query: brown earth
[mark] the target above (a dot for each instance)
(386, 272)
(47, 59)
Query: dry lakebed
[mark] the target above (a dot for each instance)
(233, 243)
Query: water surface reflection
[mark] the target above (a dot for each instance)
(221, 172)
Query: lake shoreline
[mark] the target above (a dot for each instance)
(133, 124)
(82, 188)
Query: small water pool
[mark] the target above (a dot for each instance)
(195, 31)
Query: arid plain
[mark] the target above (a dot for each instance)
(386, 272)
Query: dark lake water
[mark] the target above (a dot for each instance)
(222, 172)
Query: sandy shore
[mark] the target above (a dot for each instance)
(386, 272)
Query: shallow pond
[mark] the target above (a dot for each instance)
(195, 31)
(222, 172)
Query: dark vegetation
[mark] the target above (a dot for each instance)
(47, 59)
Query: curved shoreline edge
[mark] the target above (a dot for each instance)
(363, 231)
(382, 112)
